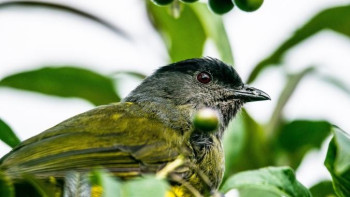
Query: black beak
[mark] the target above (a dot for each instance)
(250, 94)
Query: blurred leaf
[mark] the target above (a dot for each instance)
(234, 140)
(7, 135)
(296, 138)
(65, 8)
(184, 36)
(280, 181)
(291, 85)
(336, 82)
(336, 19)
(298, 133)
(215, 30)
(65, 82)
(6, 186)
(338, 162)
(105, 184)
(244, 145)
(323, 189)
(135, 74)
(146, 187)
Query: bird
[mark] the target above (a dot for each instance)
(148, 129)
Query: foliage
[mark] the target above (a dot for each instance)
(186, 41)
(323, 189)
(338, 162)
(101, 183)
(270, 181)
(82, 83)
(250, 146)
(335, 19)
(7, 135)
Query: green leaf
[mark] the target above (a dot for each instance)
(6, 186)
(185, 35)
(148, 186)
(105, 183)
(65, 8)
(234, 143)
(245, 146)
(336, 19)
(338, 162)
(7, 135)
(296, 138)
(323, 189)
(65, 82)
(215, 30)
(277, 181)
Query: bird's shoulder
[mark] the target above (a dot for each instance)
(124, 118)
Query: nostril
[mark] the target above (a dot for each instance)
(249, 89)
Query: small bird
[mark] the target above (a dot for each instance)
(148, 129)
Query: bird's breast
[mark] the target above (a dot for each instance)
(209, 158)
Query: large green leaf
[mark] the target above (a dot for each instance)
(323, 189)
(270, 181)
(65, 82)
(65, 8)
(338, 162)
(7, 135)
(336, 19)
(6, 186)
(296, 138)
(186, 34)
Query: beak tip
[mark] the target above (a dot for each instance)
(262, 96)
(265, 96)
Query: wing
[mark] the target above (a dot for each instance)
(120, 137)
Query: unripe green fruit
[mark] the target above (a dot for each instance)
(188, 1)
(249, 5)
(206, 120)
(162, 2)
(220, 6)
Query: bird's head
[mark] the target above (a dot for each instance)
(199, 82)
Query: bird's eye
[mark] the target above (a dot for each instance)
(204, 77)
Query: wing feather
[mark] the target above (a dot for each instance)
(119, 137)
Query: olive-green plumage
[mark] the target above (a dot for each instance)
(149, 129)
